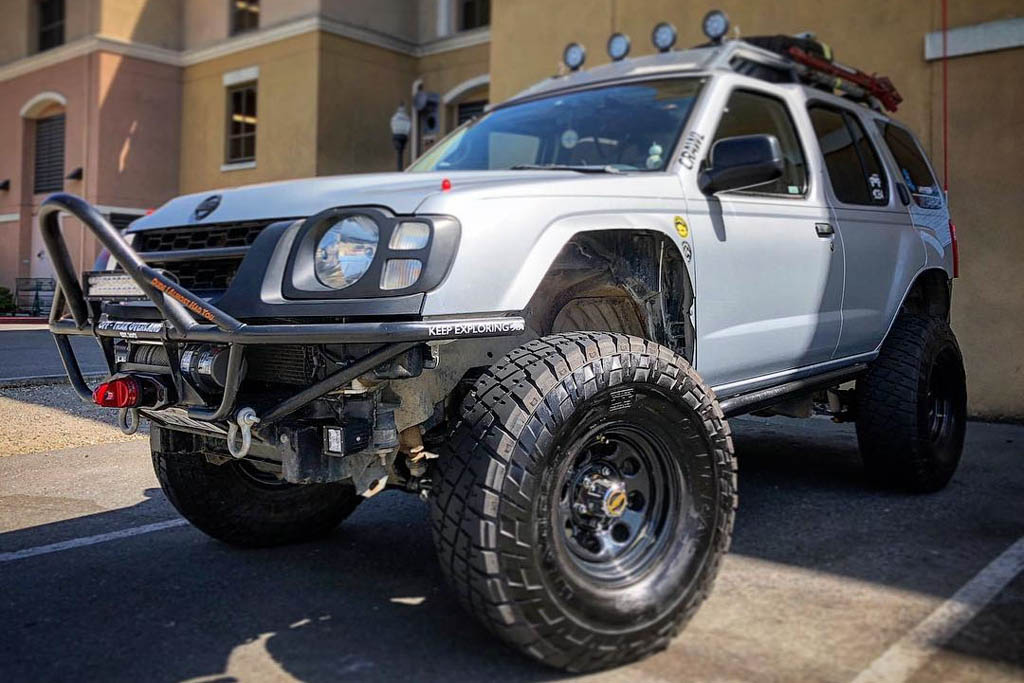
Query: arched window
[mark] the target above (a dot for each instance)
(44, 115)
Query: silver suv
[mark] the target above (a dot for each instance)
(541, 329)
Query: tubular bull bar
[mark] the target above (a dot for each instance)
(179, 307)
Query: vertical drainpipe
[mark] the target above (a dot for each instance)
(945, 96)
(414, 132)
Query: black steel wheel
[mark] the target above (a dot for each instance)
(587, 500)
(912, 407)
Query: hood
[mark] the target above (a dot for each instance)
(402, 193)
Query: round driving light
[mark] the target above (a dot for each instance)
(716, 25)
(664, 36)
(345, 251)
(618, 46)
(574, 56)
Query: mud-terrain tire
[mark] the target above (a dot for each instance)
(527, 509)
(912, 407)
(233, 503)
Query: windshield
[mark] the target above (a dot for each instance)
(630, 127)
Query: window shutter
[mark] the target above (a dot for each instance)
(49, 157)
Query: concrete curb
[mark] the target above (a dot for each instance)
(43, 380)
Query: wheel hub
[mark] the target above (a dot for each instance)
(601, 496)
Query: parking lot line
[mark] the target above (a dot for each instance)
(90, 540)
(913, 650)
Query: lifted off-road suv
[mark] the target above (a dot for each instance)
(541, 329)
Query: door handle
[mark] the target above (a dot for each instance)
(824, 229)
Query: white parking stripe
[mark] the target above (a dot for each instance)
(90, 540)
(913, 650)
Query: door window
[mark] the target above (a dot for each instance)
(853, 166)
(749, 113)
(916, 172)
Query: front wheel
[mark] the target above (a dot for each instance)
(240, 504)
(912, 407)
(587, 500)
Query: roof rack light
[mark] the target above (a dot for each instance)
(664, 36)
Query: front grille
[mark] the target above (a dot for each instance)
(198, 271)
(200, 237)
(202, 275)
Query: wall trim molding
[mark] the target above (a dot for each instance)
(465, 86)
(107, 209)
(46, 97)
(969, 40)
(249, 73)
(247, 41)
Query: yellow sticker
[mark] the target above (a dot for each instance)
(682, 228)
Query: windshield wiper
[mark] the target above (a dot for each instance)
(564, 167)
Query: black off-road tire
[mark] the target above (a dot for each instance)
(233, 504)
(912, 407)
(495, 509)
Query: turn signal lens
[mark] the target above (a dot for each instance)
(400, 273)
(122, 392)
(410, 236)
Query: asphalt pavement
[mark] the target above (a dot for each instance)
(32, 353)
(101, 580)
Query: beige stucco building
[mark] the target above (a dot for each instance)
(157, 95)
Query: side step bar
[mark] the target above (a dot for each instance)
(764, 398)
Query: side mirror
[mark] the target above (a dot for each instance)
(740, 162)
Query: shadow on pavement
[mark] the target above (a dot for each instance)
(369, 602)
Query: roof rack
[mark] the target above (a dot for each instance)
(811, 62)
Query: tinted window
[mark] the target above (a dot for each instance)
(245, 15)
(853, 167)
(913, 167)
(474, 14)
(751, 114)
(51, 24)
(629, 127)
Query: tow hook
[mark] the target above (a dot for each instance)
(244, 420)
(128, 420)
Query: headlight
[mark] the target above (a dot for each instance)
(346, 250)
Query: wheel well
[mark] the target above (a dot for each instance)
(628, 281)
(929, 296)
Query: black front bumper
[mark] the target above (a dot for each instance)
(181, 312)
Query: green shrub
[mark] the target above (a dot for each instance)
(6, 301)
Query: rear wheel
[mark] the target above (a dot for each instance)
(238, 503)
(587, 500)
(912, 407)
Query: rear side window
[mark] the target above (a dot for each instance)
(913, 166)
(853, 166)
(748, 113)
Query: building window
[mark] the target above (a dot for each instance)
(51, 24)
(241, 134)
(245, 15)
(49, 154)
(474, 14)
(469, 110)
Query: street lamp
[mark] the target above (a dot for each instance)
(401, 124)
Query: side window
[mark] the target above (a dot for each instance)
(913, 167)
(748, 113)
(853, 167)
